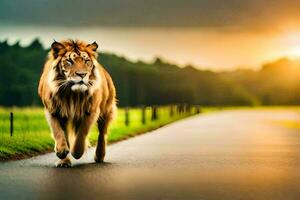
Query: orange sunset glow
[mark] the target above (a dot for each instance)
(205, 48)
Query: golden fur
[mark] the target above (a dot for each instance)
(76, 92)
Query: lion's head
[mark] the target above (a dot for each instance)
(74, 67)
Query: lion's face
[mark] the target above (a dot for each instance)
(75, 68)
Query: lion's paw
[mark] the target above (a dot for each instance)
(64, 163)
(98, 159)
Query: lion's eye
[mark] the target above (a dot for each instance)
(68, 63)
(89, 63)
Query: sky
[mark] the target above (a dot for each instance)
(213, 34)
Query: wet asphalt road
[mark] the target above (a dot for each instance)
(225, 155)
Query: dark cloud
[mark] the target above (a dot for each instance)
(243, 14)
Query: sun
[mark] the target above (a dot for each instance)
(294, 52)
(291, 42)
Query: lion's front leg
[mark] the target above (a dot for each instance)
(101, 144)
(61, 145)
(82, 131)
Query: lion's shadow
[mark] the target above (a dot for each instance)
(91, 165)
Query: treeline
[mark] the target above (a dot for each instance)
(157, 83)
(277, 83)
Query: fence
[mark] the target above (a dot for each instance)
(180, 108)
(148, 114)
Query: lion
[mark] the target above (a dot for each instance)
(76, 92)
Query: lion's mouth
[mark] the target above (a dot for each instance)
(80, 86)
(77, 83)
(80, 82)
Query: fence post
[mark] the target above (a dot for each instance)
(180, 108)
(127, 121)
(11, 124)
(143, 115)
(154, 113)
(198, 110)
(184, 108)
(188, 108)
(171, 111)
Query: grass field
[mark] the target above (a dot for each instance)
(31, 135)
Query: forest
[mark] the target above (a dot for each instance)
(157, 83)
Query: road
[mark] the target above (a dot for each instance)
(242, 154)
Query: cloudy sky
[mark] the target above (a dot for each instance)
(243, 14)
(267, 24)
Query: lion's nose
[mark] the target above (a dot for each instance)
(81, 74)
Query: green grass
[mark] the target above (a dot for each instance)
(32, 135)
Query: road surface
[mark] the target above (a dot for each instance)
(242, 154)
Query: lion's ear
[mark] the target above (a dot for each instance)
(57, 49)
(93, 46)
